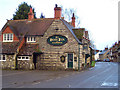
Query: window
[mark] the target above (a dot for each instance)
(31, 39)
(23, 58)
(85, 47)
(2, 58)
(8, 37)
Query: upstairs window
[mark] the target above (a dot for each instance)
(2, 58)
(8, 37)
(31, 39)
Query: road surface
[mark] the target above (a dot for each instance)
(103, 75)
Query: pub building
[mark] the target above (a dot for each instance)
(44, 43)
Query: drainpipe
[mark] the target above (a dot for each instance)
(16, 63)
(78, 56)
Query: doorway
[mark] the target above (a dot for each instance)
(70, 60)
(35, 60)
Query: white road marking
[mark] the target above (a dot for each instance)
(49, 80)
(36, 83)
(109, 84)
(68, 86)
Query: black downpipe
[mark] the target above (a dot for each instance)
(16, 63)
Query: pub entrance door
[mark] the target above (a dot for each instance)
(70, 60)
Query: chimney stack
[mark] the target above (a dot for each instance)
(106, 48)
(73, 20)
(97, 50)
(57, 12)
(86, 34)
(30, 15)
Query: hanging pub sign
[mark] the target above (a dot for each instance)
(57, 40)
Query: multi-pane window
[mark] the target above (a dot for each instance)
(2, 58)
(23, 58)
(8, 37)
(31, 39)
(85, 47)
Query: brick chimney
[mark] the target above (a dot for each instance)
(106, 48)
(86, 34)
(57, 12)
(97, 50)
(73, 20)
(30, 15)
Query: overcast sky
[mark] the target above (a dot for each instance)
(99, 17)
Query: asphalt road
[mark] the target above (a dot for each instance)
(103, 75)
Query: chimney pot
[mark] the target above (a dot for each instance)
(73, 20)
(57, 12)
(56, 5)
(106, 48)
(30, 15)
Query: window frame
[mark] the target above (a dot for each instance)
(8, 37)
(1, 57)
(31, 39)
(21, 58)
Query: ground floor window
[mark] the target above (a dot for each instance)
(23, 58)
(2, 57)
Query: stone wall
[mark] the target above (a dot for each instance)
(51, 54)
(9, 63)
(25, 64)
(86, 50)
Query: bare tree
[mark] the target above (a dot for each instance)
(67, 14)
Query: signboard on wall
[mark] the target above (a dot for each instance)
(57, 40)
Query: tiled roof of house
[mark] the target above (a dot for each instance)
(28, 49)
(25, 27)
(9, 47)
(103, 52)
(79, 33)
(70, 27)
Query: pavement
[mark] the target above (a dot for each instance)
(103, 75)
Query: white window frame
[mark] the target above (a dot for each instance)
(8, 37)
(31, 39)
(1, 57)
(21, 58)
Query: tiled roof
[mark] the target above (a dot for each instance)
(103, 52)
(79, 33)
(25, 27)
(70, 27)
(9, 47)
(28, 49)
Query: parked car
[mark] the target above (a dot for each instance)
(98, 60)
(107, 60)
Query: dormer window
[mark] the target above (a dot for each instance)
(31, 39)
(8, 37)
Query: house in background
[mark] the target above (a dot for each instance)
(115, 50)
(97, 52)
(119, 51)
(104, 54)
(83, 36)
(44, 43)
